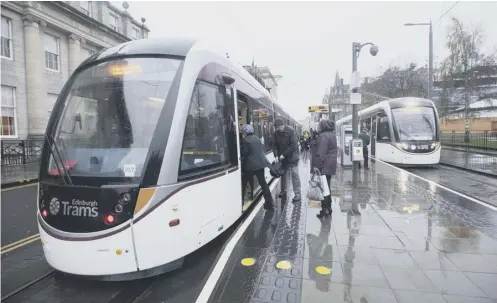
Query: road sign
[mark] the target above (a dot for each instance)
(355, 98)
(319, 108)
(260, 113)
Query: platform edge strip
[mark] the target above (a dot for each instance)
(220, 264)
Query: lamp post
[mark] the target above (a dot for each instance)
(430, 56)
(356, 50)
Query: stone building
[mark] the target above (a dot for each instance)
(42, 44)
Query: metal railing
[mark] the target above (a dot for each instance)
(21, 152)
(479, 140)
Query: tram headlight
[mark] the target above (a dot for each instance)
(125, 198)
(402, 146)
(413, 147)
(433, 145)
(118, 208)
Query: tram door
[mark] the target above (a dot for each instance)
(373, 136)
(244, 118)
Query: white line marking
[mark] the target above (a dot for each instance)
(221, 263)
(441, 186)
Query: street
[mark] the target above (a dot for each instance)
(18, 213)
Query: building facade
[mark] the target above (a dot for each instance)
(264, 76)
(42, 44)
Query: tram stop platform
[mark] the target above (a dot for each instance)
(395, 238)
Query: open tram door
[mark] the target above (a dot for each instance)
(243, 116)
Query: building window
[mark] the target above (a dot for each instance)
(51, 99)
(6, 38)
(85, 7)
(135, 34)
(9, 121)
(52, 52)
(208, 130)
(113, 21)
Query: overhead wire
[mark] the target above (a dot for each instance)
(446, 12)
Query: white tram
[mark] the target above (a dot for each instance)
(141, 162)
(403, 131)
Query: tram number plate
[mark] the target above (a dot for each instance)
(424, 146)
(129, 170)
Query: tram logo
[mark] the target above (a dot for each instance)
(75, 207)
(54, 206)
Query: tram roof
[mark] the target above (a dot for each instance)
(393, 103)
(150, 46)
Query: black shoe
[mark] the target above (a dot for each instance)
(269, 206)
(296, 199)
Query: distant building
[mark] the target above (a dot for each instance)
(264, 76)
(483, 79)
(482, 117)
(42, 44)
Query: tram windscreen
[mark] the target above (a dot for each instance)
(415, 123)
(110, 114)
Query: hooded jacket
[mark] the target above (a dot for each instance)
(326, 154)
(285, 143)
(253, 153)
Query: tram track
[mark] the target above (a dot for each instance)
(471, 183)
(28, 284)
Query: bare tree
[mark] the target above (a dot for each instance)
(465, 56)
(398, 82)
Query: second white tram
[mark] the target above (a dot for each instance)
(141, 162)
(403, 131)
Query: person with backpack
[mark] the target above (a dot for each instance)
(255, 162)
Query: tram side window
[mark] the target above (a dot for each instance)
(268, 131)
(205, 143)
(366, 123)
(383, 128)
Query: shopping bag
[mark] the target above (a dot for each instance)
(325, 186)
(276, 169)
(315, 190)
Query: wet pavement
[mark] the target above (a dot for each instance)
(395, 238)
(484, 163)
(471, 184)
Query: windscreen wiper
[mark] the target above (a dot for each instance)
(409, 136)
(57, 155)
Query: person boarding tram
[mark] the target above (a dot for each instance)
(255, 162)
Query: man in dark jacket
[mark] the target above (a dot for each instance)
(286, 149)
(364, 136)
(255, 162)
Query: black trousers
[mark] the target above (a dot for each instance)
(326, 203)
(259, 174)
(365, 154)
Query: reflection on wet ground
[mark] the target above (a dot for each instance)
(469, 160)
(395, 238)
(471, 184)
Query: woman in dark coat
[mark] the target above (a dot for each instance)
(326, 159)
(313, 148)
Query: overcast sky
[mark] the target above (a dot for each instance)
(307, 42)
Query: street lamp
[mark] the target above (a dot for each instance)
(430, 67)
(356, 50)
